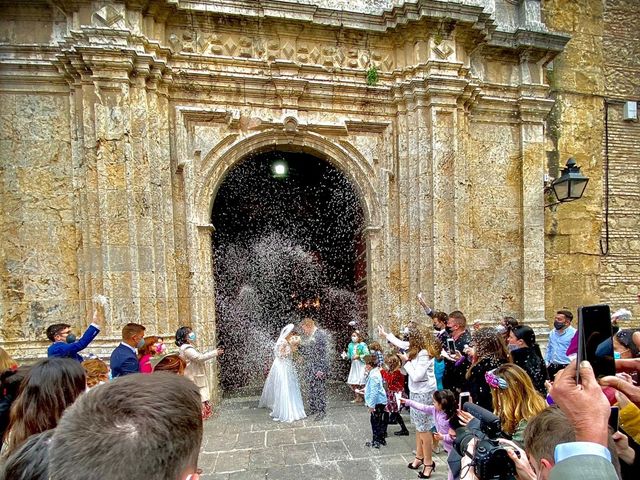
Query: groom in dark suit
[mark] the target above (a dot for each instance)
(315, 351)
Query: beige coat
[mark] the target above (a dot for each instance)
(196, 369)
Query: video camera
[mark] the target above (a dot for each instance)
(490, 459)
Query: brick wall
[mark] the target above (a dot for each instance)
(620, 278)
(599, 68)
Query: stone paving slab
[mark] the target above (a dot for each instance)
(242, 443)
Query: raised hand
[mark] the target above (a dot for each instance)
(584, 404)
(99, 303)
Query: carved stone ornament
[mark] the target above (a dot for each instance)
(109, 17)
(443, 50)
(290, 125)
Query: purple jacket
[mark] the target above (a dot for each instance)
(440, 419)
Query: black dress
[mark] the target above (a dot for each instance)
(454, 373)
(528, 359)
(476, 384)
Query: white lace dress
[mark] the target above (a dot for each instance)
(281, 392)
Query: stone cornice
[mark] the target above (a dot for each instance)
(23, 66)
(527, 39)
(512, 104)
(432, 83)
(380, 22)
(475, 16)
(112, 55)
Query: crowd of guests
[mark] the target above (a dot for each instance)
(554, 427)
(136, 353)
(33, 398)
(431, 368)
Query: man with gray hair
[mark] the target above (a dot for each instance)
(138, 426)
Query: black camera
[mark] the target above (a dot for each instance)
(490, 459)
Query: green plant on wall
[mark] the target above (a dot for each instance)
(445, 28)
(372, 75)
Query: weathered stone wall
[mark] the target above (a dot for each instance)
(156, 102)
(598, 68)
(38, 268)
(576, 127)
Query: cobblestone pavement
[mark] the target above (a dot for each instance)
(242, 442)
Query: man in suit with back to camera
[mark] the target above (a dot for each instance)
(124, 359)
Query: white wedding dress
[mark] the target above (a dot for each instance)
(281, 392)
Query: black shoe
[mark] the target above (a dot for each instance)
(372, 444)
(383, 442)
(320, 416)
(423, 475)
(402, 433)
(376, 445)
(416, 467)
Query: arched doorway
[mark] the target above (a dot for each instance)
(289, 241)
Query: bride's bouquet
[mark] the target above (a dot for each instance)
(294, 341)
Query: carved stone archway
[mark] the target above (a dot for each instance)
(216, 165)
(212, 170)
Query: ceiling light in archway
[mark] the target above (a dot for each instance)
(280, 169)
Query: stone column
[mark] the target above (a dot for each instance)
(533, 111)
(445, 90)
(427, 183)
(123, 178)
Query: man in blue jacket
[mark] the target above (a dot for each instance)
(64, 343)
(124, 358)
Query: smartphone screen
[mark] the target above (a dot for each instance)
(613, 418)
(451, 345)
(595, 340)
(464, 398)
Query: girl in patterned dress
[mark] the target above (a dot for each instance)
(394, 379)
(356, 352)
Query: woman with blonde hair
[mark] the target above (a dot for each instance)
(6, 362)
(96, 370)
(515, 399)
(422, 348)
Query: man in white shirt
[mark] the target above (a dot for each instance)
(559, 339)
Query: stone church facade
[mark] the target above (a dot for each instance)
(120, 119)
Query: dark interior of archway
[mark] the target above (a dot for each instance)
(285, 247)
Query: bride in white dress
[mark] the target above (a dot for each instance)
(281, 392)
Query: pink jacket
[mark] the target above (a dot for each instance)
(145, 364)
(440, 419)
